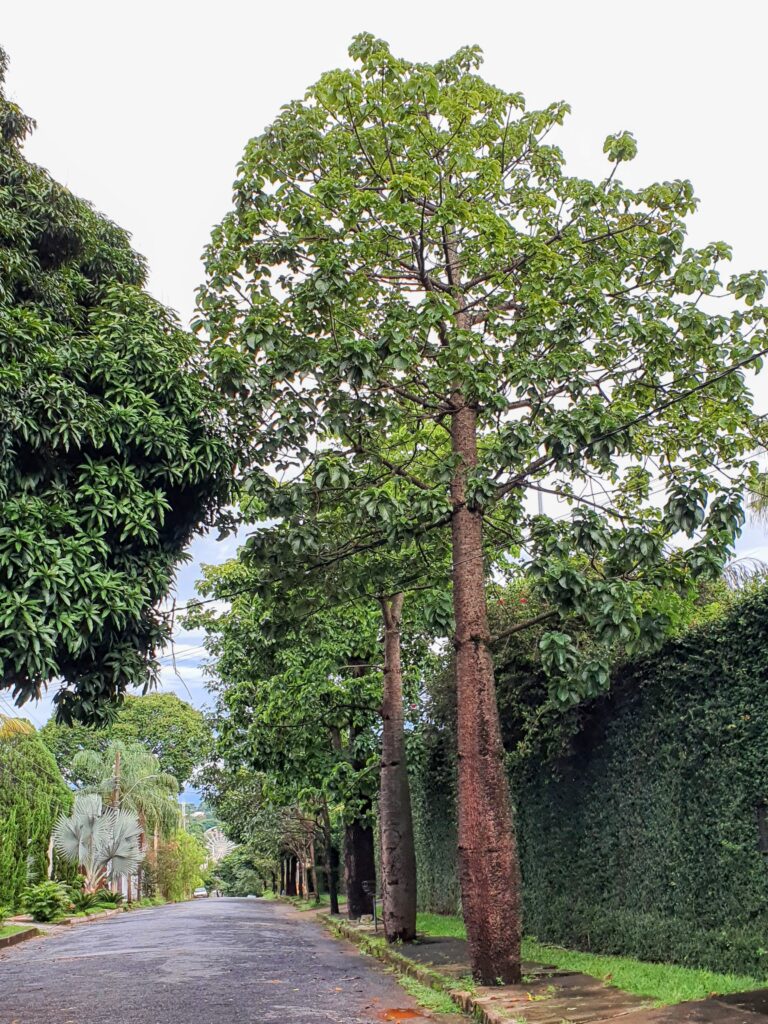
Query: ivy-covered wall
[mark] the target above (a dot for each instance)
(643, 839)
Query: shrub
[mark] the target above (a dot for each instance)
(83, 901)
(47, 901)
(109, 897)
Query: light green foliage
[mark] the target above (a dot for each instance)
(239, 874)
(175, 732)
(141, 786)
(47, 901)
(407, 234)
(664, 983)
(429, 998)
(180, 861)
(296, 697)
(111, 451)
(32, 795)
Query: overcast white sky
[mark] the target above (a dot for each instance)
(144, 109)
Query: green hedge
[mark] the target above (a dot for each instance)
(32, 795)
(643, 840)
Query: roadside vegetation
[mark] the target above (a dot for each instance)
(488, 429)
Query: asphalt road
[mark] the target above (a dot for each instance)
(216, 961)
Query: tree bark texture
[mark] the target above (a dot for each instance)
(331, 861)
(489, 871)
(359, 867)
(398, 855)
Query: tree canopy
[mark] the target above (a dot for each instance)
(112, 452)
(407, 234)
(410, 282)
(166, 726)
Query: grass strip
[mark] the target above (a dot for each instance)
(664, 983)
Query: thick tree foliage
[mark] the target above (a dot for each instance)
(406, 249)
(111, 450)
(166, 726)
(298, 689)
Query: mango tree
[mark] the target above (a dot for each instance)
(112, 451)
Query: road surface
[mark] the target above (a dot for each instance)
(215, 961)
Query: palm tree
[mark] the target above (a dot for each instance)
(129, 777)
(97, 838)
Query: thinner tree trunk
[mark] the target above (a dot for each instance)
(313, 871)
(489, 871)
(290, 888)
(331, 860)
(398, 856)
(359, 867)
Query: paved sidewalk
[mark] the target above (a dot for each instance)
(548, 995)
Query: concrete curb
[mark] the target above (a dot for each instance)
(17, 937)
(467, 1002)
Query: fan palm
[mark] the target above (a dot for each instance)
(97, 838)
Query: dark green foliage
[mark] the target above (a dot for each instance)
(111, 452)
(109, 897)
(433, 795)
(32, 795)
(86, 900)
(166, 726)
(239, 875)
(645, 839)
(47, 901)
(642, 839)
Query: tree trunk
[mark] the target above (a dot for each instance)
(359, 867)
(314, 888)
(331, 861)
(398, 855)
(290, 887)
(489, 871)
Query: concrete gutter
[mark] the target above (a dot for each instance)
(467, 1002)
(17, 937)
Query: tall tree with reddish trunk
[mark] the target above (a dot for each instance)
(417, 310)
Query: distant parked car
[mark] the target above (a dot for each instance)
(200, 893)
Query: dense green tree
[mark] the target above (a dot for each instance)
(179, 866)
(112, 452)
(240, 873)
(412, 612)
(297, 698)
(32, 795)
(405, 247)
(166, 726)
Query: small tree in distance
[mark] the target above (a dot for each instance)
(405, 249)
